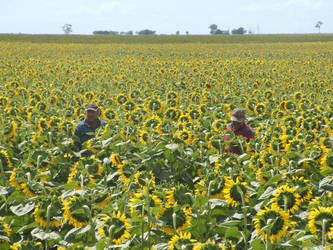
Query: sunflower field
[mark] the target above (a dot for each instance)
(159, 176)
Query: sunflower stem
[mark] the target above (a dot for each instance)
(111, 234)
(174, 220)
(142, 226)
(1, 169)
(50, 138)
(323, 233)
(148, 210)
(92, 226)
(244, 213)
(285, 203)
(81, 181)
(48, 215)
(39, 161)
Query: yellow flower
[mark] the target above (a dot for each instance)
(279, 220)
(234, 191)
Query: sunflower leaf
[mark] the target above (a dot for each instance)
(21, 209)
(3, 190)
(40, 234)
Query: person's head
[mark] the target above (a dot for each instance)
(92, 112)
(237, 118)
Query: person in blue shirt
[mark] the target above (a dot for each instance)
(85, 130)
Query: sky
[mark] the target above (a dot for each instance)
(165, 17)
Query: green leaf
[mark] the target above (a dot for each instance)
(21, 209)
(172, 146)
(233, 232)
(268, 192)
(257, 244)
(40, 234)
(3, 190)
(229, 223)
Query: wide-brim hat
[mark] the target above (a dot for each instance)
(238, 115)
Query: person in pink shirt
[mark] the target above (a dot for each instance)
(239, 127)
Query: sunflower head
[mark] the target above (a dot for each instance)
(271, 223)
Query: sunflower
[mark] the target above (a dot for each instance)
(326, 143)
(286, 198)
(3, 101)
(140, 178)
(278, 114)
(298, 96)
(27, 244)
(116, 159)
(152, 122)
(320, 218)
(40, 212)
(74, 213)
(295, 145)
(4, 228)
(121, 99)
(310, 123)
(129, 105)
(171, 95)
(66, 127)
(278, 219)
(219, 125)
(5, 160)
(42, 124)
(302, 188)
(216, 187)
(178, 195)
(77, 176)
(135, 94)
(209, 245)
(181, 241)
(182, 218)
(172, 114)
(155, 106)
(110, 115)
(125, 170)
(268, 94)
(144, 136)
(139, 202)
(184, 135)
(54, 122)
(137, 116)
(326, 161)
(30, 189)
(219, 113)
(184, 118)
(195, 114)
(216, 142)
(114, 227)
(10, 130)
(234, 191)
(260, 109)
(41, 106)
(251, 104)
(269, 158)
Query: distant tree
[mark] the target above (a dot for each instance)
(146, 32)
(67, 28)
(318, 25)
(213, 28)
(187, 33)
(221, 32)
(239, 31)
(177, 32)
(105, 32)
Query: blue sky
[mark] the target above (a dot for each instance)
(165, 17)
